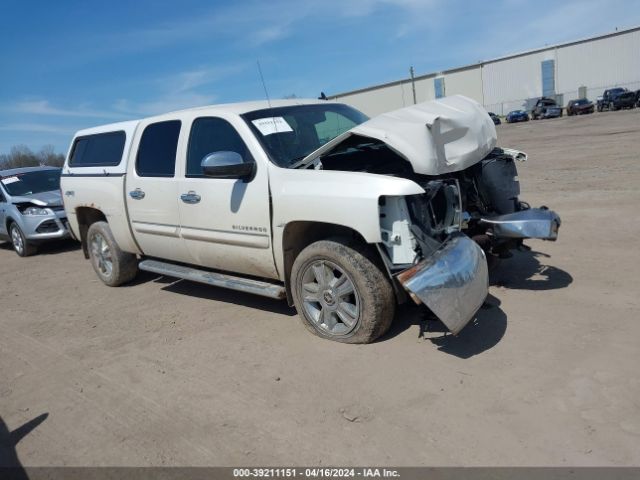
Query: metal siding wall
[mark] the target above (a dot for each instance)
(508, 83)
(388, 98)
(465, 82)
(380, 100)
(598, 65)
(424, 90)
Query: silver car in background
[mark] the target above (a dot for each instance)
(31, 210)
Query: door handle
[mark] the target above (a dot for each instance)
(190, 197)
(136, 194)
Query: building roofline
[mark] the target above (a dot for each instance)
(486, 62)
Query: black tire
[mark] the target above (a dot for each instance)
(113, 266)
(20, 245)
(372, 296)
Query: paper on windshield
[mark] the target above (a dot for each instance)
(9, 180)
(270, 125)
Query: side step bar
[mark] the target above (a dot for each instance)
(265, 289)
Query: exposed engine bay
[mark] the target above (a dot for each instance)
(482, 201)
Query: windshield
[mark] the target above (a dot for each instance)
(582, 101)
(29, 183)
(289, 134)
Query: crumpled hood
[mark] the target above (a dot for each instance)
(44, 199)
(436, 137)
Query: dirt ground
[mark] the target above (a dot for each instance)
(175, 373)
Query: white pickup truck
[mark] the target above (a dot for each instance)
(310, 201)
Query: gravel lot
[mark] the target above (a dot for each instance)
(174, 373)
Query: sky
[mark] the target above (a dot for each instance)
(70, 64)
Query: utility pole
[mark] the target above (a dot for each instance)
(413, 85)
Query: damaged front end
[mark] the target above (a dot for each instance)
(496, 216)
(430, 257)
(436, 245)
(453, 281)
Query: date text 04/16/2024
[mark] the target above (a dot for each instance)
(315, 472)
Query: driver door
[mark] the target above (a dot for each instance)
(225, 222)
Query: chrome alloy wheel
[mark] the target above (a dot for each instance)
(16, 239)
(101, 254)
(330, 298)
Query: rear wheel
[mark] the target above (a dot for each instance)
(340, 293)
(113, 266)
(20, 244)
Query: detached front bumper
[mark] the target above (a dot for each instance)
(453, 282)
(531, 223)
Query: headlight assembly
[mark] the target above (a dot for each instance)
(36, 211)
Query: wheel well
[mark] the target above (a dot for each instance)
(87, 216)
(298, 235)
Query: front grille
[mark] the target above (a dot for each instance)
(49, 226)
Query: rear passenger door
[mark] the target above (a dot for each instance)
(152, 190)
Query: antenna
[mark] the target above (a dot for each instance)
(264, 85)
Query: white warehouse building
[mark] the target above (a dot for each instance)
(578, 69)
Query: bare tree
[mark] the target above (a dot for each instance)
(48, 156)
(22, 156)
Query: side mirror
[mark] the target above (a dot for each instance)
(227, 165)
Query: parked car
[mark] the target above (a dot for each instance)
(622, 100)
(579, 107)
(517, 116)
(546, 108)
(637, 98)
(606, 101)
(31, 210)
(307, 200)
(495, 118)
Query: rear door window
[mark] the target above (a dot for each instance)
(99, 150)
(157, 150)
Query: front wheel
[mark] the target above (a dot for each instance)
(113, 266)
(20, 244)
(340, 293)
